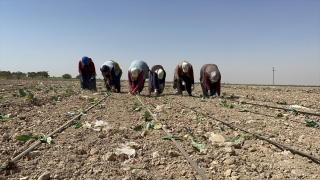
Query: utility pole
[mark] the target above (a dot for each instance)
(273, 74)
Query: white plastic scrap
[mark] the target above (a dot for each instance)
(298, 106)
(124, 149)
(100, 124)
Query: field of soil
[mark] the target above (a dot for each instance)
(122, 136)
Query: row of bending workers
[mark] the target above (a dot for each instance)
(139, 71)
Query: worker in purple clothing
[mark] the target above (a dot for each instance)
(210, 78)
(157, 79)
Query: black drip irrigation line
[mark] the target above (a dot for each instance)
(314, 159)
(276, 117)
(266, 106)
(192, 163)
(237, 97)
(12, 161)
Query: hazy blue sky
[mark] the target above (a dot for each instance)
(245, 38)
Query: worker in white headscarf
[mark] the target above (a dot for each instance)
(157, 79)
(210, 78)
(183, 73)
(137, 74)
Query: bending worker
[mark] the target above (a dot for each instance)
(183, 73)
(111, 73)
(87, 74)
(137, 74)
(157, 79)
(210, 79)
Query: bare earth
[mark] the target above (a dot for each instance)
(118, 149)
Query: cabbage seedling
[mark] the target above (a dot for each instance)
(311, 123)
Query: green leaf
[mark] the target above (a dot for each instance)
(241, 102)
(22, 93)
(146, 116)
(196, 145)
(138, 128)
(244, 110)
(24, 138)
(71, 113)
(149, 125)
(76, 124)
(293, 111)
(222, 128)
(281, 102)
(311, 123)
(280, 115)
(157, 126)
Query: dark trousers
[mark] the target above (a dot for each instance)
(135, 83)
(205, 91)
(116, 82)
(181, 87)
(86, 82)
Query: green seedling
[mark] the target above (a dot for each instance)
(202, 99)
(293, 111)
(146, 116)
(281, 102)
(280, 115)
(138, 128)
(244, 110)
(136, 107)
(149, 125)
(311, 123)
(40, 137)
(225, 104)
(241, 102)
(221, 128)
(191, 134)
(240, 138)
(76, 124)
(99, 106)
(232, 96)
(29, 95)
(157, 126)
(93, 100)
(196, 145)
(4, 118)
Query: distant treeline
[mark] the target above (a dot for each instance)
(39, 74)
(19, 75)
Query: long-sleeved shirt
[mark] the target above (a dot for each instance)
(205, 77)
(207, 82)
(178, 72)
(156, 82)
(114, 70)
(143, 69)
(89, 67)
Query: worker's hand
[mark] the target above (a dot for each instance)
(92, 77)
(113, 88)
(209, 93)
(192, 87)
(156, 92)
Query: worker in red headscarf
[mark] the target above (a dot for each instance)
(210, 79)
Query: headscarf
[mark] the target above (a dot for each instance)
(214, 77)
(185, 67)
(84, 60)
(160, 73)
(134, 72)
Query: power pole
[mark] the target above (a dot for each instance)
(273, 74)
